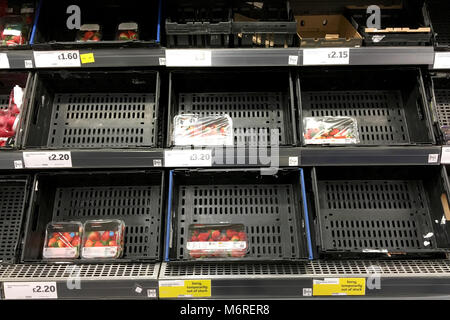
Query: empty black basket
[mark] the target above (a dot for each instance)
(441, 97)
(198, 24)
(389, 105)
(271, 208)
(13, 200)
(98, 109)
(134, 197)
(257, 101)
(379, 210)
(263, 24)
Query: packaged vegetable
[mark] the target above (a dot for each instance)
(213, 130)
(62, 240)
(89, 33)
(13, 31)
(10, 117)
(330, 130)
(103, 239)
(217, 241)
(127, 31)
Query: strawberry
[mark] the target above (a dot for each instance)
(194, 238)
(215, 235)
(52, 242)
(61, 244)
(235, 238)
(56, 235)
(334, 132)
(230, 233)
(68, 236)
(94, 236)
(223, 238)
(88, 35)
(95, 38)
(203, 236)
(106, 235)
(242, 236)
(76, 241)
(98, 244)
(123, 36)
(112, 243)
(89, 243)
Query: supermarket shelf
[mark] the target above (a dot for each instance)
(309, 156)
(399, 279)
(106, 281)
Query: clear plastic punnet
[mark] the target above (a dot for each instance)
(89, 33)
(10, 117)
(62, 240)
(330, 130)
(13, 31)
(103, 239)
(213, 130)
(127, 31)
(217, 241)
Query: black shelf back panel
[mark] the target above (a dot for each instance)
(254, 114)
(442, 96)
(12, 206)
(267, 211)
(379, 114)
(102, 120)
(374, 214)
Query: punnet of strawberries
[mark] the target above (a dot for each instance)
(217, 241)
(103, 239)
(62, 240)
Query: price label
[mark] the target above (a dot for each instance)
(30, 290)
(4, 61)
(445, 157)
(188, 58)
(55, 59)
(441, 60)
(339, 287)
(184, 288)
(326, 56)
(48, 159)
(188, 158)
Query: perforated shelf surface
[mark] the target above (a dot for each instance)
(103, 120)
(12, 206)
(254, 115)
(138, 206)
(389, 215)
(442, 97)
(379, 114)
(269, 213)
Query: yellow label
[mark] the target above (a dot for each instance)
(339, 287)
(87, 58)
(184, 288)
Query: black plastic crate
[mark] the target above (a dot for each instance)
(380, 210)
(13, 203)
(271, 207)
(7, 82)
(441, 100)
(263, 24)
(404, 23)
(390, 105)
(136, 197)
(257, 102)
(203, 24)
(52, 30)
(439, 11)
(100, 109)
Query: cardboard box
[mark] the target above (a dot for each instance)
(327, 31)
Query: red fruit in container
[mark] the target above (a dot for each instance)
(76, 241)
(51, 242)
(94, 236)
(89, 243)
(235, 238)
(203, 236)
(14, 109)
(223, 238)
(106, 236)
(215, 235)
(61, 244)
(67, 236)
(10, 121)
(112, 243)
(5, 133)
(194, 238)
(98, 244)
(2, 143)
(242, 236)
(230, 233)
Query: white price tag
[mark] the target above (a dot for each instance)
(293, 60)
(441, 60)
(30, 290)
(48, 159)
(445, 157)
(188, 58)
(293, 161)
(188, 158)
(326, 56)
(4, 61)
(56, 59)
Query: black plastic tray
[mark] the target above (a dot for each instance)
(198, 24)
(439, 11)
(136, 197)
(13, 200)
(52, 30)
(112, 109)
(380, 210)
(274, 26)
(389, 105)
(441, 93)
(257, 102)
(271, 208)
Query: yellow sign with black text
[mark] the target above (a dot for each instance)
(87, 58)
(339, 287)
(184, 288)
